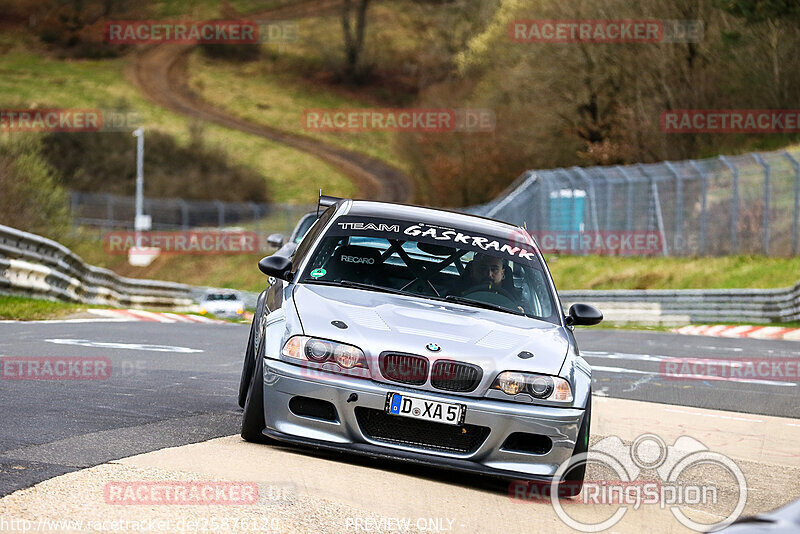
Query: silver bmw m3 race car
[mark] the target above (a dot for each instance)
(420, 335)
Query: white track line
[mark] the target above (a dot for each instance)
(622, 370)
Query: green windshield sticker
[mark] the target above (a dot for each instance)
(317, 273)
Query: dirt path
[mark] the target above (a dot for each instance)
(160, 73)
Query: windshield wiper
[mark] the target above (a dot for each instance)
(481, 304)
(359, 285)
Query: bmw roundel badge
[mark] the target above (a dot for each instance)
(433, 347)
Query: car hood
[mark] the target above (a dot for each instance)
(378, 322)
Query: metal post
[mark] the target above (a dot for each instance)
(139, 222)
(184, 213)
(703, 201)
(609, 201)
(544, 203)
(678, 239)
(220, 213)
(73, 207)
(795, 230)
(629, 198)
(657, 206)
(734, 204)
(765, 215)
(139, 134)
(109, 211)
(256, 223)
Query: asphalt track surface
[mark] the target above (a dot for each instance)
(175, 384)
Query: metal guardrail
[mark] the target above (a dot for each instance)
(693, 305)
(32, 265)
(109, 212)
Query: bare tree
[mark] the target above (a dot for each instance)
(354, 37)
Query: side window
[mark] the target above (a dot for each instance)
(310, 237)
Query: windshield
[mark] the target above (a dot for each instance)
(222, 297)
(433, 262)
(302, 228)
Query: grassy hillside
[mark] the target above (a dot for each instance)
(598, 272)
(30, 77)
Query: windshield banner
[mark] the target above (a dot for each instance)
(513, 247)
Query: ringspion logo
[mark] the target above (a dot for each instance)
(683, 483)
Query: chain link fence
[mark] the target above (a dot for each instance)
(746, 204)
(114, 212)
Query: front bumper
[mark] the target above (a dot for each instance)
(283, 381)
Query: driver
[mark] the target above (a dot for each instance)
(488, 271)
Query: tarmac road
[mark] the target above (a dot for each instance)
(172, 391)
(158, 397)
(151, 400)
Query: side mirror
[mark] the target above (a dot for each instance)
(277, 266)
(275, 240)
(583, 315)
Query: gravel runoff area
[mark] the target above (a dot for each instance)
(77, 502)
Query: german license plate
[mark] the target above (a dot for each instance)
(439, 412)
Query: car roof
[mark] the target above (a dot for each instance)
(458, 220)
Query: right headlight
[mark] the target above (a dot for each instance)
(299, 349)
(544, 387)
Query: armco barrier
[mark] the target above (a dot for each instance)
(683, 306)
(31, 265)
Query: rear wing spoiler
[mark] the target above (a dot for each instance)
(326, 201)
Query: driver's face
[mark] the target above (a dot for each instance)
(488, 269)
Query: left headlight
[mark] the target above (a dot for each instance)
(320, 351)
(544, 387)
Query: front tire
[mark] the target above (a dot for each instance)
(249, 354)
(253, 422)
(573, 479)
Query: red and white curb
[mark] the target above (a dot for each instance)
(154, 317)
(757, 332)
